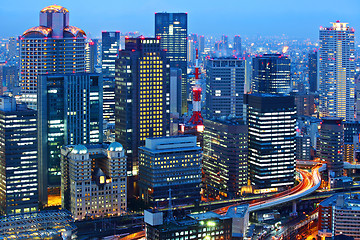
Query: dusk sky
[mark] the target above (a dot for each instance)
(295, 18)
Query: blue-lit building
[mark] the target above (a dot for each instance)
(18, 158)
(170, 163)
(69, 112)
(272, 147)
(271, 74)
(171, 28)
(110, 51)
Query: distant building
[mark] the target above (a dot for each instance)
(110, 51)
(18, 158)
(69, 112)
(332, 145)
(171, 29)
(109, 101)
(336, 71)
(52, 47)
(225, 157)
(93, 182)
(271, 122)
(271, 74)
(313, 71)
(237, 45)
(170, 163)
(142, 96)
(303, 148)
(305, 104)
(339, 214)
(224, 87)
(91, 56)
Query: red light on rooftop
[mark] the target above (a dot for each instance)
(337, 21)
(142, 37)
(118, 31)
(133, 50)
(158, 37)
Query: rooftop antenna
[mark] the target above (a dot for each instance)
(170, 217)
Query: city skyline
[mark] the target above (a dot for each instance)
(233, 18)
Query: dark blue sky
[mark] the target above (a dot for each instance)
(296, 18)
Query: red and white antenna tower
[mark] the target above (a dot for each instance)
(196, 118)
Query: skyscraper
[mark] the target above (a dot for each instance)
(225, 157)
(172, 30)
(69, 112)
(18, 158)
(110, 51)
(52, 47)
(225, 87)
(332, 145)
(271, 74)
(313, 71)
(336, 71)
(237, 45)
(142, 96)
(271, 122)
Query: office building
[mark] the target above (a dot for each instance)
(170, 163)
(303, 148)
(305, 104)
(225, 87)
(90, 56)
(225, 157)
(271, 122)
(69, 112)
(336, 71)
(332, 145)
(109, 101)
(201, 43)
(142, 96)
(18, 158)
(171, 28)
(110, 51)
(93, 180)
(237, 46)
(271, 74)
(52, 47)
(313, 71)
(339, 214)
(209, 225)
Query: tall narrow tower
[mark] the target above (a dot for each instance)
(172, 29)
(336, 71)
(52, 47)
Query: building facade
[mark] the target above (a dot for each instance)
(336, 71)
(225, 157)
(303, 148)
(93, 182)
(18, 158)
(271, 122)
(142, 96)
(313, 71)
(224, 87)
(170, 163)
(171, 28)
(332, 145)
(69, 112)
(271, 74)
(110, 51)
(338, 215)
(52, 47)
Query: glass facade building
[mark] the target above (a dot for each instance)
(171, 28)
(225, 87)
(271, 124)
(18, 158)
(271, 74)
(69, 112)
(110, 50)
